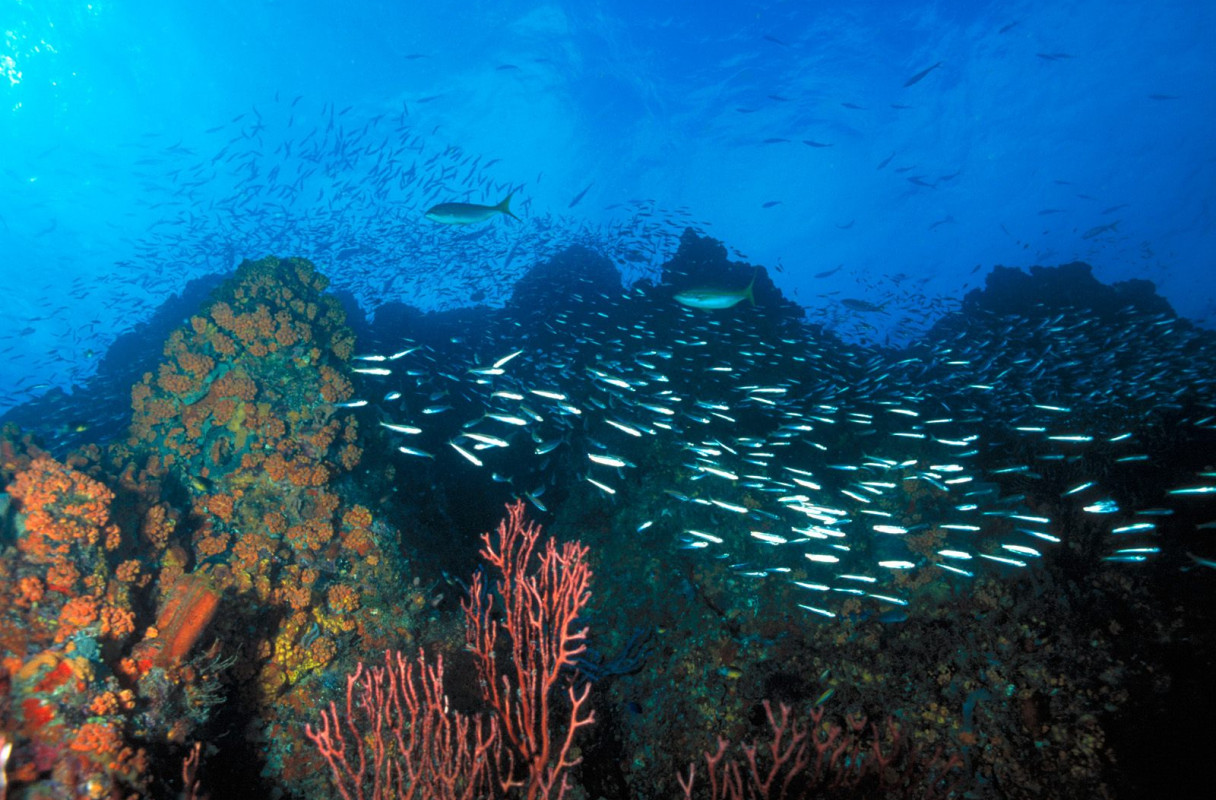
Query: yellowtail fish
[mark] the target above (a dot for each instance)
(467, 213)
(711, 298)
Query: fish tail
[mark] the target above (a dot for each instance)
(505, 207)
(751, 298)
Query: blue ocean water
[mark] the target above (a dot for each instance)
(843, 487)
(139, 140)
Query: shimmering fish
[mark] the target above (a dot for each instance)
(410, 429)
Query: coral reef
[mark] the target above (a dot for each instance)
(65, 606)
(241, 417)
(217, 561)
(176, 606)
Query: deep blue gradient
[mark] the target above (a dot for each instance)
(1050, 132)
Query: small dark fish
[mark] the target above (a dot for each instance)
(778, 98)
(943, 221)
(1113, 209)
(885, 161)
(847, 225)
(771, 203)
(579, 196)
(1044, 212)
(1009, 27)
(503, 67)
(854, 106)
(1098, 230)
(899, 106)
(813, 143)
(920, 75)
(859, 305)
(829, 272)
(775, 40)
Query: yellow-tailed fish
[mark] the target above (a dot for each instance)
(468, 213)
(711, 298)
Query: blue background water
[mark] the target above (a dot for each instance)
(1039, 127)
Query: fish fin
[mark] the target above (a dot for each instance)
(505, 207)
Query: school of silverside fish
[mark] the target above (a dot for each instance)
(835, 469)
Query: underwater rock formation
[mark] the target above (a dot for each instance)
(1043, 290)
(701, 261)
